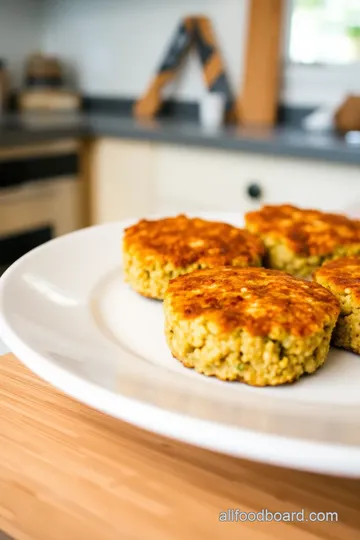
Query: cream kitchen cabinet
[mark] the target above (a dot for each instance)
(137, 178)
(209, 180)
(121, 179)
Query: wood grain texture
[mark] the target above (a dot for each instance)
(257, 103)
(69, 472)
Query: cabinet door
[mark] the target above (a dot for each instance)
(121, 177)
(308, 183)
(192, 180)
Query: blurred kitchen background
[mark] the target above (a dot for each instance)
(88, 135)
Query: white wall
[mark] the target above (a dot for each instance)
(21, 32)
(116, 45)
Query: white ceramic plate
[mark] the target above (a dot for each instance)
(66, 313)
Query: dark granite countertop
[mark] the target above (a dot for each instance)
(281, 141)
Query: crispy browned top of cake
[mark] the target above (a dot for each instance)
(183, 241)
(341, 275)
(306, 232)
(255, 299)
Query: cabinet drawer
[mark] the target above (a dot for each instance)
(207, 180)
(317, 184)
(199, 180)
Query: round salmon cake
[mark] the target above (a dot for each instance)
(342, 278)
(159, 250)
(299, 240)
(258, 326)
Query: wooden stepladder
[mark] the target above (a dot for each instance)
(192, 32)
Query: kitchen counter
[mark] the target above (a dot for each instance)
(281, 141)
(69, 471)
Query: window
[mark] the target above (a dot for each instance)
(325, 32)
(322, 52)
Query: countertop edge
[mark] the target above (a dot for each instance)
(277, 142)
(233, 144)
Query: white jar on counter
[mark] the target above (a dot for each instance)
(212, 110)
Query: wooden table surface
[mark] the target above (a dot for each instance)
(68, 472)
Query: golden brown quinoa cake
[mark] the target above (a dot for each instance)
(156, 251)
(262, 327)
(342, 278)
(298, 241)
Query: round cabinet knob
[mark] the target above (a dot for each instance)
(254, 191)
